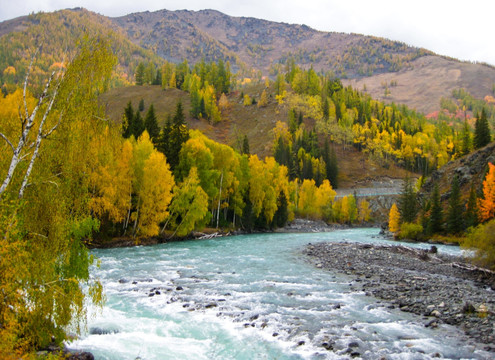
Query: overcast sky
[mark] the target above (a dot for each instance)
(461, 29)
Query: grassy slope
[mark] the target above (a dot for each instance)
(257, 123)
(428, 80)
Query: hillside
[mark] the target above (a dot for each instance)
(422, 77)
(415, 77)
(470, 170)
(57, 33)
(426, 81)
(256, 122)
(209, 34)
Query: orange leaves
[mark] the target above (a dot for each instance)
(487, 204)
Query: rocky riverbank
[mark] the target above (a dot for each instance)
(437, 287)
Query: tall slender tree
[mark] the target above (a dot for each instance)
(128, 121)
(179, 134)
(435, 223)
(408, 206)
(455, 213)
(481, 130)
(151, 125)
(472, 216)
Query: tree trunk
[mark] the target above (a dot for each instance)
(219, 198)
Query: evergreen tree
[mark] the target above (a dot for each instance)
(408, 207)
(139, 75)
(325, 107)
(158, 77)
(141, 105)
(282, 214)
(331, 166)
(481, 131)
(151, 124)
(164, 140)
(137, 125)
(301, 118)
(472, 217)
(435, 224)
(455, 214)
(128, 121)
(202, 107)
(245, 145)
(179, 134)
(466, 142)
(196, 101)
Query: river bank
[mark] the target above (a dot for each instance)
(295, 226)
(437, 287)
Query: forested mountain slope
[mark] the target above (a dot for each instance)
(388, 70)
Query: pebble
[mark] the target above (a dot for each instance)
(421, 285)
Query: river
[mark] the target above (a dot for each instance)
(250, 297)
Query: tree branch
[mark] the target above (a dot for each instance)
(40, 136)
(8, 142)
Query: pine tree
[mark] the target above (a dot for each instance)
(179, 134)
(128, 121)
(333, 169)
(455, 214)
(435, 224)
(325, 107)
(164, 140)
(466, 142)
(137, 125)
(141, 105)
(481, 131)
(151, 124)
(140, 74)
(282, 214)
(245, 145)
(407, 202)
(472, 216)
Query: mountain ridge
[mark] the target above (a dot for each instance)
(257, 47)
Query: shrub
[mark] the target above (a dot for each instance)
(410, 231)
(482, 239)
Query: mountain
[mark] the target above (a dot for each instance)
(388, 70)
(56, 34)
(260, 44)
(419, 77)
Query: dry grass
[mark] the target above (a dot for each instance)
(430, 78)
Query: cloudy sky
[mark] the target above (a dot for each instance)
(458, 28)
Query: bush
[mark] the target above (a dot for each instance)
(482, 239)
(410, 231)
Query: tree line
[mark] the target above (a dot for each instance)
(470, 221)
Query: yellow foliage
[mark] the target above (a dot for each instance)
(155, 194)
(364, 211)
(394, 219)
(9, 70)
(307, 199)
(263, 99)
(247, 100)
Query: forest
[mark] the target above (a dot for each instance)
(70, 175)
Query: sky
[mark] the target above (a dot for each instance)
(457, 28)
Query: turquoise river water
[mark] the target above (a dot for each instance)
(250, 297)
